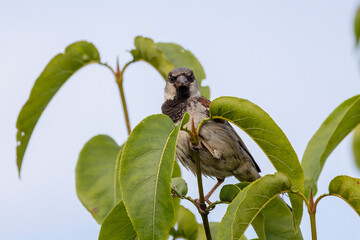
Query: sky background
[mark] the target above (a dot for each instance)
(295, 59)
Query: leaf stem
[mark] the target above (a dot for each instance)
(108, 66)
(205, 120)
(319, 198)
(302, 196)
(119, 80)
(312, 211)
(204, 213)
(211, 206)
(313, 225)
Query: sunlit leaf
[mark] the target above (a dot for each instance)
(145, 174)
(250, 202)
(180, 57)
(55, 74)
(269, 137)
(176, 171)
(356, 146)
(117, 225)
(94, 173)
(348, 189)
(146, 50)
(166, 56)
(333, 130)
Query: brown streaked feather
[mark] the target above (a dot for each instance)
(243, 146)
(206, 103)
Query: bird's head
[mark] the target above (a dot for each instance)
(181, 84)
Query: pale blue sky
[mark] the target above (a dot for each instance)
(295, 59)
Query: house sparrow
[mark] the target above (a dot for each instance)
(222, 152)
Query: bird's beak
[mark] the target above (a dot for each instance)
(182, 81)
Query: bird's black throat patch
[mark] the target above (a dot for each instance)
(183, 92)
(175, 108)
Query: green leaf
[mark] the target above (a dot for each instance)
(333, 130)
(145, 174)
(201, 233)
(94, 174)
(116, 178)
(275, 215)
(259, 226)
(166, 56)
(205, 91)
(146, 50)
(117, 225)
(179, 186)
(270, 138)
(55, 74)
(187, 225)
(214, 227)
(180, 57)
(250, 202)
(356, 146)
(177, 170)
(229, 192)
(348, 189)
(278, 221)
(357, 26)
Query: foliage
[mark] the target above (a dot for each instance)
(134, 189)
(334, 129)
(95, 171)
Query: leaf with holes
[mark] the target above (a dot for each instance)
(55, 74)
(94, 175)
(333, 130)
(145, 174)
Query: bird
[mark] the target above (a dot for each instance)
(222, 152)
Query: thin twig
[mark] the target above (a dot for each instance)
(204, 213)
(212, 206)
(119, 80)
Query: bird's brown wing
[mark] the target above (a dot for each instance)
(243, 146)
(206, 103)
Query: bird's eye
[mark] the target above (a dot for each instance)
(171, 79)
(191, 78)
